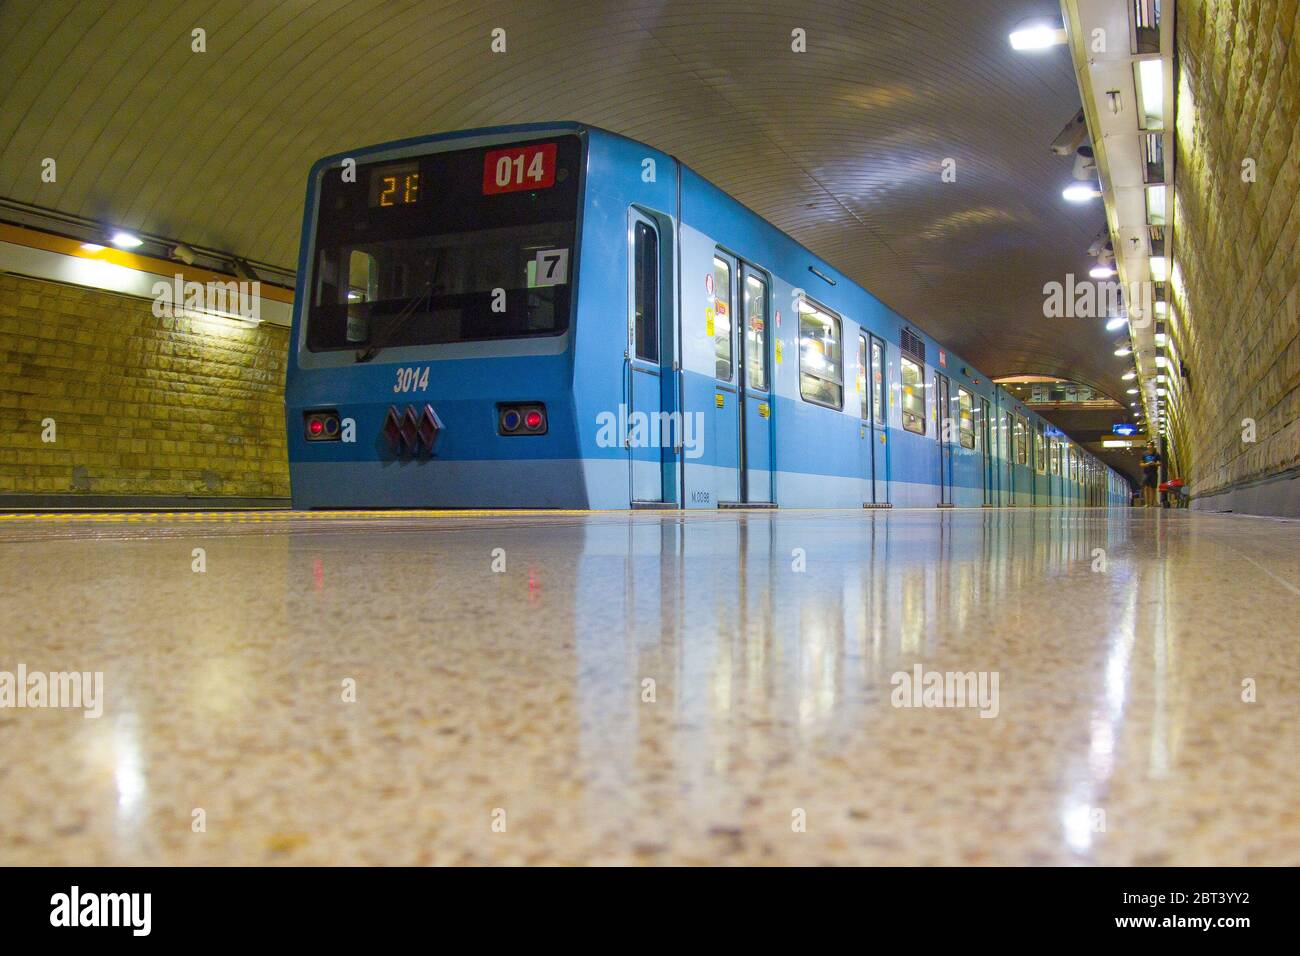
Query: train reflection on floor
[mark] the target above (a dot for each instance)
(784, 687)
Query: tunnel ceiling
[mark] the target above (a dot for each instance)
(842, 146)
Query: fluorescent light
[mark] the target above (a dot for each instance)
(1079, 193)
(1159, 268)
(124, 240)
(1129, 376)
(1161, 339)
(1156, 205)
(1117, 323)
(1124, 351)
(1133, 391)
(92, 247)
(1161, 361)
(1101, 272)
(1151, 84)
(1036, 36)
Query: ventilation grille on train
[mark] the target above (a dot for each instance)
(913, 346)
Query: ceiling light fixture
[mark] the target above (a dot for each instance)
(1079, 193)
(1103, 272)
(1037, 35)
(1151, 86)
(124, 240)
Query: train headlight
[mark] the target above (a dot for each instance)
(527, 418)
(321, 425)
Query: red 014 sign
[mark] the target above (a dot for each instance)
(519, 167)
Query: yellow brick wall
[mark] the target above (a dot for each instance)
(142, 405)
(1235, 282)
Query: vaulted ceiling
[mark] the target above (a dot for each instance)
(842, 146)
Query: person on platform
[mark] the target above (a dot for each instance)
(1150, 475)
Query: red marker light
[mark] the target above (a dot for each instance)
(315, 426)
(533, 419)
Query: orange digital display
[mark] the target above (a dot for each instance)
(396, 185)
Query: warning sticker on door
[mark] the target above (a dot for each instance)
(708, 322)
(550, 267)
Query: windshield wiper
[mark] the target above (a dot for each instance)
(396, 326)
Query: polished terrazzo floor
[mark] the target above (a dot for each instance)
(1120, 643)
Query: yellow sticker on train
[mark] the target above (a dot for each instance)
(719, 399)
(708, 322)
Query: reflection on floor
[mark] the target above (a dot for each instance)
(653, 688)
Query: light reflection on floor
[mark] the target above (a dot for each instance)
(653, 688)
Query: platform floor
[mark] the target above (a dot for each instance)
(1120, 735)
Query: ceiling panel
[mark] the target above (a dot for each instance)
(841, 146)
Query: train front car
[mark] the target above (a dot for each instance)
(431, 361)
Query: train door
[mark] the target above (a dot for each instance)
(866, 447)
(1009, 462)
(726, 386)
(649, 378)
(879, 439)
(986, 462)
(752, 335)
(944, 421)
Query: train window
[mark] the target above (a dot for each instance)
(645, 291)
(755, 332)
(431, 269)
(363, 276)
(1054, 455)
(877, 381)
(864, 399)
(1040, 450)
(965, 418)
(913, 396)
(821, 356)
(722, 318)
(1022, 441)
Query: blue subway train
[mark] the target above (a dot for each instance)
(555, 316)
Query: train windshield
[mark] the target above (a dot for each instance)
(463, 246)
